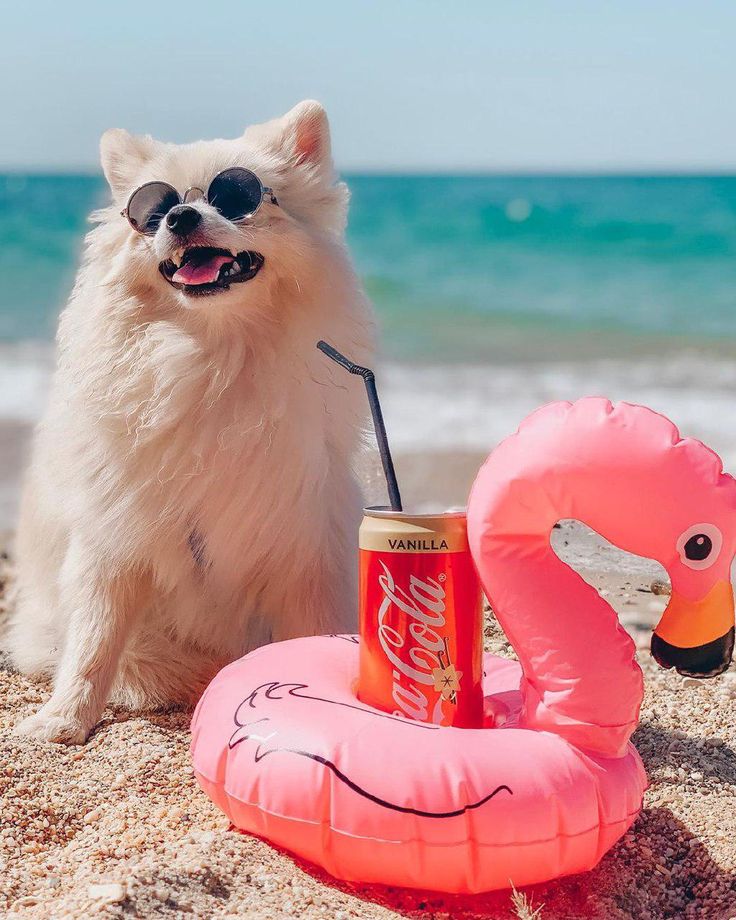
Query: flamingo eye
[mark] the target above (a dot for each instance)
(699, 546)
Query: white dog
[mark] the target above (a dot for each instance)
(191, 494)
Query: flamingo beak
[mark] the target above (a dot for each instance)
(696, 637)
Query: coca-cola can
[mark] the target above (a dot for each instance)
(421, 618)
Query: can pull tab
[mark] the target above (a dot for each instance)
(378, 423)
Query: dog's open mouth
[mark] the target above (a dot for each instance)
(207, 270)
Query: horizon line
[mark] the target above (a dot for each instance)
(642, 172)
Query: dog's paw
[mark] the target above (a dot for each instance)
(50, 726)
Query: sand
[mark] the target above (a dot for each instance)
(119, 828)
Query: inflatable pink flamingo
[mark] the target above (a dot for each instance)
(282, 744)
(626, 473)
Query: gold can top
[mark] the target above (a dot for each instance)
(387, 531)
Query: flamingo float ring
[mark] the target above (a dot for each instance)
(283, 745)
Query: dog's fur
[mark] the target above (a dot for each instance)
(190, 494)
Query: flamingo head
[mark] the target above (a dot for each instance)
(693, 503)
(667, 498)
(696, 632)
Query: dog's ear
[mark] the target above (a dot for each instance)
(300, 159)
(303, 135)
(122, 155)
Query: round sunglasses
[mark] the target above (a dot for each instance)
(237, 193)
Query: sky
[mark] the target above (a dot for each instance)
(409, 85)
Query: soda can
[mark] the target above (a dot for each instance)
(421, 618)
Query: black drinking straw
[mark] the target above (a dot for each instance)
(370, 386)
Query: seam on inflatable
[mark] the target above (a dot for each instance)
(275, 814)
(457, 843)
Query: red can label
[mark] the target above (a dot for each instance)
(421, 631)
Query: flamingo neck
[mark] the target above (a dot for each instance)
(581, 680)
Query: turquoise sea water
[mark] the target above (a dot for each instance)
(457, 264)
(495, 295)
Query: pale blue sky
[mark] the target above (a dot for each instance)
(573, 85)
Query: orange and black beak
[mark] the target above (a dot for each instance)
(696, 637)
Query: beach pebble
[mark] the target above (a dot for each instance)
(109, 893)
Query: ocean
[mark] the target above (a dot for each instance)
(494, 294)
(452, 262)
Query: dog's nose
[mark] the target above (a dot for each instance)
(182, 219)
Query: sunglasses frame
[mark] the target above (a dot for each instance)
(266, 192)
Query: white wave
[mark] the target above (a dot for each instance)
(433, 408)
(460, 407)
(25, 374)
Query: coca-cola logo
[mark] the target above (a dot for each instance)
(424, 606)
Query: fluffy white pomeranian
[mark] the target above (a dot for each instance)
(191, 494)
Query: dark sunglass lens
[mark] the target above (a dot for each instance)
(235, 193)
(150, 204)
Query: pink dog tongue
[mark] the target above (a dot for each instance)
(201, 272)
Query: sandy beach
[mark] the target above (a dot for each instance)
(119, 827)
